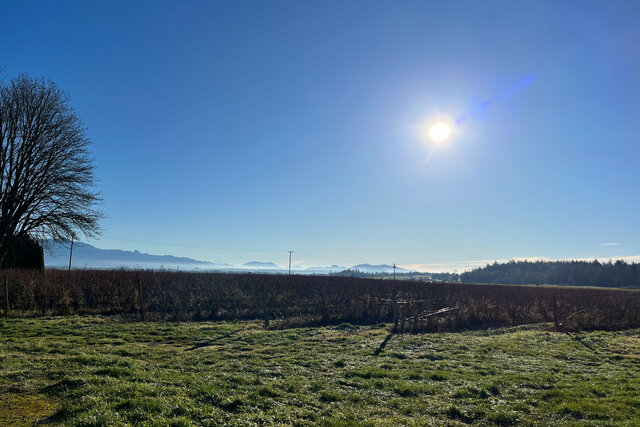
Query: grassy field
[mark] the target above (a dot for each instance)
(98, 371)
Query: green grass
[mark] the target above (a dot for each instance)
(97, 371)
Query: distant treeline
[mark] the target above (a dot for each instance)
(570, 273)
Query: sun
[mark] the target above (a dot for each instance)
(439, 132)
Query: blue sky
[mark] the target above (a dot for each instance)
(234, 131)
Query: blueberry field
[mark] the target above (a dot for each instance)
(282, 301)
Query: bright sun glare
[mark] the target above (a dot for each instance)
(439, 132)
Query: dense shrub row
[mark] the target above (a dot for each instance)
(305, 300)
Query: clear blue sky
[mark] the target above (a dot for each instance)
(275, 125)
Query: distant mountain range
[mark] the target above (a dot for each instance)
(88, 256)
(325, 270)
(258, 264)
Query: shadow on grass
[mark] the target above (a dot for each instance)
(211, 341)
(383, 344)
(588, 346)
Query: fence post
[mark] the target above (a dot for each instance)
(6, 297)
(140, 300)
(325, 304)
(394, 302)
(265, 308)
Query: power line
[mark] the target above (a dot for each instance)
(192, 247)
(322, 257)
(177, 245)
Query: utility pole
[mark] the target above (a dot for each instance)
(394, 271)
(70, 253)
(290, 252)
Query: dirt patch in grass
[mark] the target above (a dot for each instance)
(25, 409)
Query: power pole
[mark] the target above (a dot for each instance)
(70, 253)
(290, 252)
(394, 271)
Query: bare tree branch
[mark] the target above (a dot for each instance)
(46, 173)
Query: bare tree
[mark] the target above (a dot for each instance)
(46, 173)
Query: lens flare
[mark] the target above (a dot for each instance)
(439, 132)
